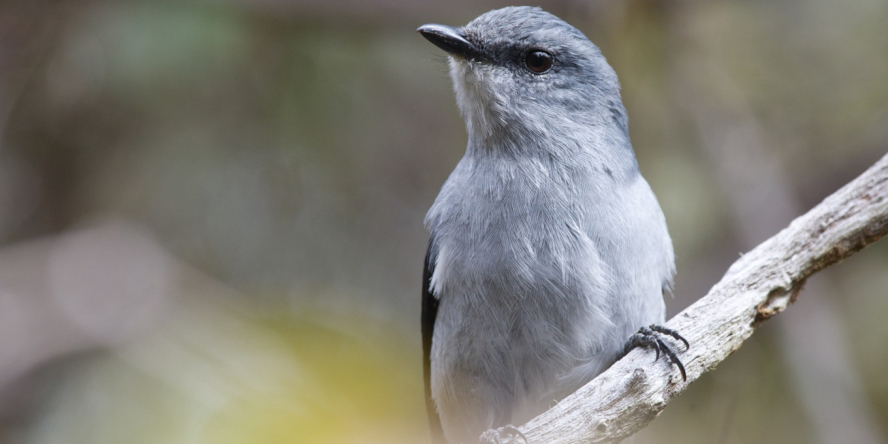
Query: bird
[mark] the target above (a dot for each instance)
(548, 254)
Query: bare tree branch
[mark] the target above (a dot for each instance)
(762, 283)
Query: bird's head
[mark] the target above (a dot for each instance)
(520, 72)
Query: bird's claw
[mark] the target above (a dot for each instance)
(650, 337)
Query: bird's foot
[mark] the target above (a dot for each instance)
(504, 435)
(651, 337)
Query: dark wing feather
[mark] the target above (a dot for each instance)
(429, 313)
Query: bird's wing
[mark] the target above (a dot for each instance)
(429, 313)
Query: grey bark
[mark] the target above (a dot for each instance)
(758, 188)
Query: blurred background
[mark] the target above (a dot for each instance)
(211, 210)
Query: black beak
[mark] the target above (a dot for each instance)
(449, 39)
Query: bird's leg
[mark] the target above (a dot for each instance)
(504, 435)
(651, 337)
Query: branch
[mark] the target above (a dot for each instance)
(762, 283)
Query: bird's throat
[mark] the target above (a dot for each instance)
(477, 102)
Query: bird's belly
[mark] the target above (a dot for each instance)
(509, 345)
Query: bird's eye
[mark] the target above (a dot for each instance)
(538, 61)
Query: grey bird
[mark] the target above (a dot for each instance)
(547, 249)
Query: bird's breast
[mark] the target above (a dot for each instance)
(512, 257)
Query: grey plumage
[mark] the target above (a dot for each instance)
(548, 249)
